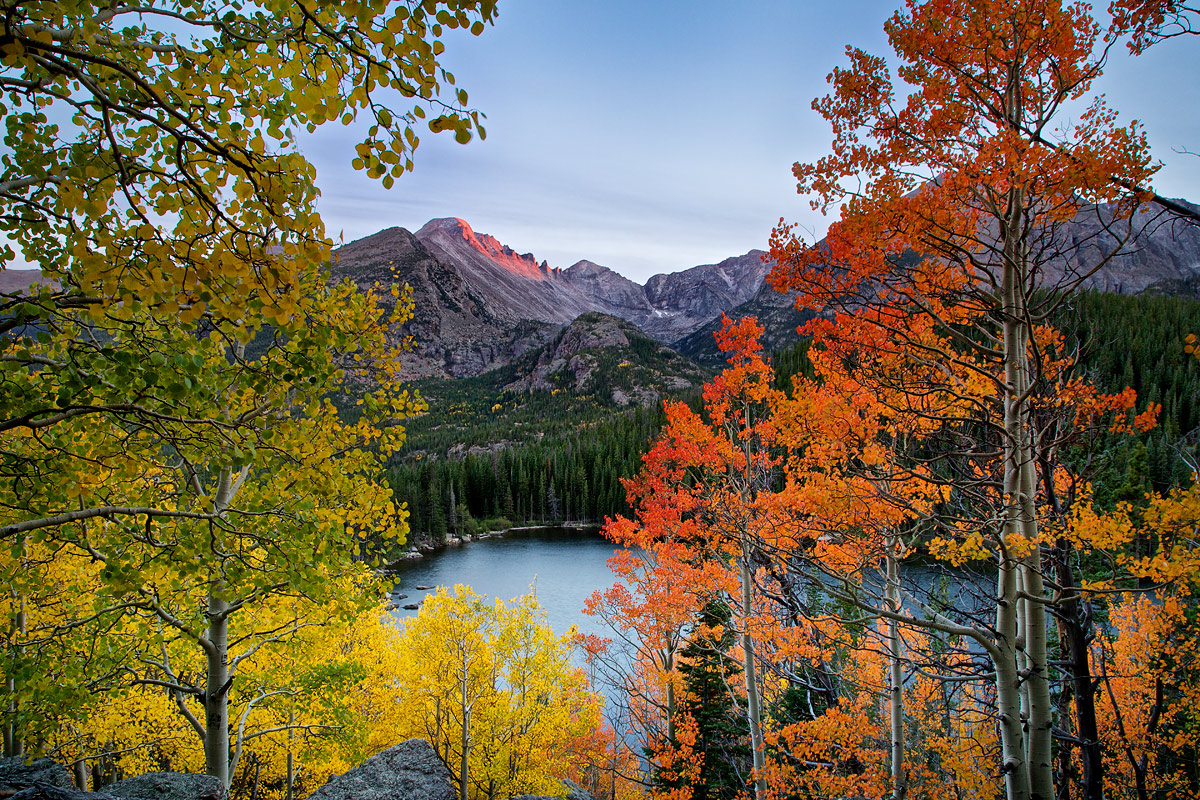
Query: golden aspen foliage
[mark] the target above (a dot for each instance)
(492, 687)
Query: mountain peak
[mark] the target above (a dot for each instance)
(454, 233)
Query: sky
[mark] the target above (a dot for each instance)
(655, 135)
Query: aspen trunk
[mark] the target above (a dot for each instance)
(216, 690)
(1027, 637)
(14, 740)
(753, 704)
(465, 737)
(1008, 679)
(1037, 678)
(1035, 668)
(1073, 629)
(1008, 688)
(291, 763)
(895, 690)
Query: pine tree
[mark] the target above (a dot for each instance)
(722, 734)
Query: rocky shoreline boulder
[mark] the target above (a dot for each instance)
(408, 771)
(168, 786)
(574, 792)
(15, 774)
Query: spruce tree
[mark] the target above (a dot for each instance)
(723, 737)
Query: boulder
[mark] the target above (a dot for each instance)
(574, 792)
(169, 786)
(408, 771)
(16, 774)
(49, 791)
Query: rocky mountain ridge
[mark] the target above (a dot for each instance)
(519, 287)
(478, 304)
(1151, 253)
(457, 329)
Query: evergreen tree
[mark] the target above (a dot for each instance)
(722, 735)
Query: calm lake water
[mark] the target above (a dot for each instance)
(563, 566)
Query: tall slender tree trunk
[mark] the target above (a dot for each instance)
(218, 679)
(1020, 498)
(1037, 667)
(1008, 686)
(216, 690)
(291, 762)
(465, 736)
(1008, 678)
(895, 690)
(14, 739)
(753, 703)
(1074, 634)
(671, 713)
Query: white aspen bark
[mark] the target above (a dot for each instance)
(895, 689)
(291, 762)
(14, 739)
(465, 737)
(1008, 680)
(216, 690)
(1037, 677)
(218, 679)
(1022, 654)
(753, 703)
(1008, 691)
(1037, 706)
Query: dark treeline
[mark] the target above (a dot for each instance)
(573, 478)
(1138, 342)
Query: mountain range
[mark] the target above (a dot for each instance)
(479, 304)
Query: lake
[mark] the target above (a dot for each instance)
(562, 565)
(565, 565)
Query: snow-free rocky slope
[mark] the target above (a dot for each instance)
(479, 304)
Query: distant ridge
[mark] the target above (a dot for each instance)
(479, 303)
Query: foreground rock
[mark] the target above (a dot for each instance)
(46, 791)
(169, 786)
(574, 792)
(15, 774)
(409, 771)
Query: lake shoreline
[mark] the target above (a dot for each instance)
(417, 552)
(563, 565)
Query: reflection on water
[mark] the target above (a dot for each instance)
(562, 565)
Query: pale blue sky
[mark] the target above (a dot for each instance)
(653, 135)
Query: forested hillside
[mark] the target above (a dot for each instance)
(1138, 342)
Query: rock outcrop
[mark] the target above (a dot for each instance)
(609, 357)
(16, 774)
(169, 786)
(574, 792)
(408, 771)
